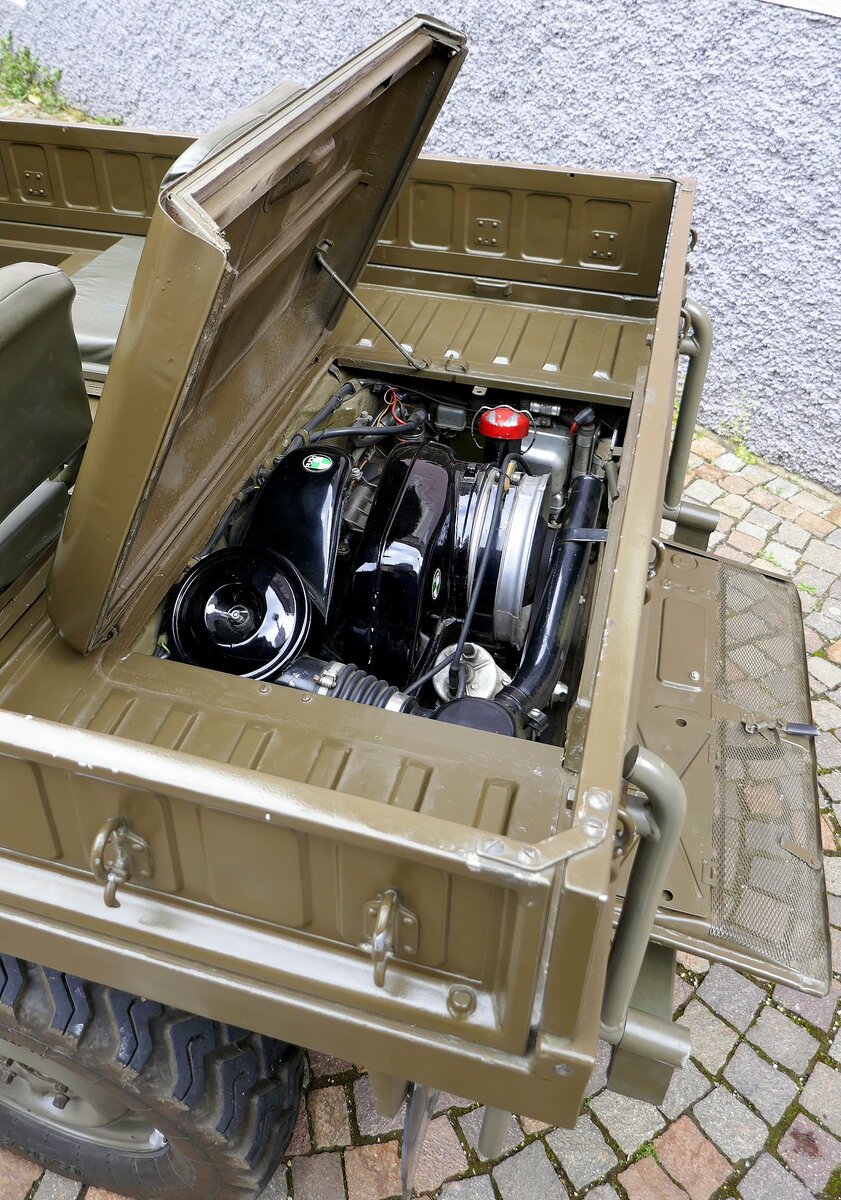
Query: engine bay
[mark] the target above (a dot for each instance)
(435, 557)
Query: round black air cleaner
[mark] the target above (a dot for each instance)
(242, 610)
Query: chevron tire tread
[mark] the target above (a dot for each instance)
(225, 1099)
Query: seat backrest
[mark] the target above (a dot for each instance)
(44, 411)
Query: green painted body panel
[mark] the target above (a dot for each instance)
(275, 818)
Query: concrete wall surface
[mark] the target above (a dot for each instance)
(742, 94)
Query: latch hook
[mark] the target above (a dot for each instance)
(118, 854)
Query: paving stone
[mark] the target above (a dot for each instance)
(582, 1152)
(736, 485)
(704, 490)
(810, 1151)
(707, 449)
(817, 1010)
(276, 1189)
(757, 474)
(300, 1142)
(442, 1157)
(692, 1159)
(828, 750)
(711, 1039)
(16, 1176)
(832, 871)
(811, 577)
(827, 835)
(783, 555)
(471, 1124)
(56, 1187)
(809, 502)
(827, 716)
(735, 555)
(768, 1089)
(645, 1180)
(813, 642)
(831, 783)
(681, 992)
(369, 1121)
(835, 1051)
(782, 488)
(629, 1122)
(730, 462)
(317, 1177)
(97, 1193)
(329, 1117)
(745, 542)
(323, 1065)
(816, 525)
(529, 1125)
(736, 1131)
(792, 535)
(834, 910)
(479, 1187)
(822, 1096)
(769, 1180)
(789, 512)
(598, 1078)
(766, 521)
(826, 673)
(834, 652)
(705, 471)
(834, 515)
(528, 1174)
(373, 1171)
(693, 962)
(828, 558)
(688, 1085)
(448, 1100)
(762, 498)
(787, 1043)
(752, 528)
(603, 1192)
(731, 995)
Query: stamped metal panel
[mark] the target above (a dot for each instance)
(541, 348)
(83, 176)
(574, 229)
(228, 312)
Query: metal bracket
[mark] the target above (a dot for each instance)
(118, 855)
(390, 928)
(321, 249)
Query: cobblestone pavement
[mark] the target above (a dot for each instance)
(757, 1112)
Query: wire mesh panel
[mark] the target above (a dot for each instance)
(768, 892)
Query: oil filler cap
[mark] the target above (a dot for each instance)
(242, 610)
(504, 424)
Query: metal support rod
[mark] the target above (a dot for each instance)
(697, 345)
(418, 363)
(648, 875)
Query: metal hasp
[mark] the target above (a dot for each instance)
(695, 522)
(390, 929)
(646, 1032)
(418, 363)
(118, 855)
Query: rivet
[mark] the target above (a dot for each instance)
(461, 1001)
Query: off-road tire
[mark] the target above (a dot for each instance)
(225, 1099)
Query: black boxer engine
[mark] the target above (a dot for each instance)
(359, 575)
(370, 570)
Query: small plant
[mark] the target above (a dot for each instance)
(23, 78)
(735, 430)
(806, 587)
(646, 1150)
(770, 557)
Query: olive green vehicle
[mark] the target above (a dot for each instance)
(349, 697)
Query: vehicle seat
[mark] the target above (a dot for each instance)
(104, 284)
(44, 408)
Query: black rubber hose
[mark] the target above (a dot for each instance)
(347, 389)
(551, 628)
(369, 431)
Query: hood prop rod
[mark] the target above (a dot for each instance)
(418, 364)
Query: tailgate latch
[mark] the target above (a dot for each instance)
(117, 855)
(390, 928)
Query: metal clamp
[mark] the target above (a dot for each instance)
(390, 928)
(117, 855)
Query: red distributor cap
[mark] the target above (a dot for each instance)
(504, 423)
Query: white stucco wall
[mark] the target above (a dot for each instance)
(744, 95)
